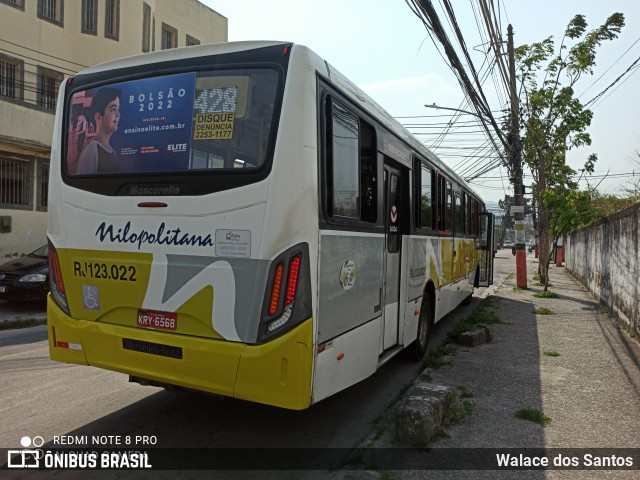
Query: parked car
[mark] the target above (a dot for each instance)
(26, 278)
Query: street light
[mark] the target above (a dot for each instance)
(433, 105)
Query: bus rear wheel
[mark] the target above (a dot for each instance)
(417, 350)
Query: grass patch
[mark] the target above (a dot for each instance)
(387, 475)
(533, 415)
(483, 316)
(547, 294)
(552, 354)
(511, 276)
(518, 290)
(540, 284)
(426, 377)
(435, 358)
(483, 313)
(22, 323)
(457, 411)
(458, 329)
(543, 311)
(464, 391)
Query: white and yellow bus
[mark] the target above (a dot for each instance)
(241, 219)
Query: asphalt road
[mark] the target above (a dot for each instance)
(48, 399)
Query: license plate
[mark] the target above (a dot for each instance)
(3, 289)
(157, 320)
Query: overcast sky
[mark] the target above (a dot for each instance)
(385, 49)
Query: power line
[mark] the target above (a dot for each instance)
(471, 83)
(41, 53)
(610, 67)
(631, 67)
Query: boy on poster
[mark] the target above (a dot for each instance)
(139, 126)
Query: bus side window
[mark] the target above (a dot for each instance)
(351, 165)
(469, 215)
(424, 196)
(441, 202)
(459, 215)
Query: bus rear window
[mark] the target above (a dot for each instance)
(194, 121)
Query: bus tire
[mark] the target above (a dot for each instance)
(418, 348)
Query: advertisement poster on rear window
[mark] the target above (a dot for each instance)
(132, 127)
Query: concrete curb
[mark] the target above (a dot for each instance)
(421, 413)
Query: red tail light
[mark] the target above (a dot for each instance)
(292, 281)
(58, 274)
(287, 296)
(275, 291)
(56, 284)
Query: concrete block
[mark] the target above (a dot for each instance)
(479, 335)
(420, 413)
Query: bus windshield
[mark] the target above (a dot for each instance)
(214, 120)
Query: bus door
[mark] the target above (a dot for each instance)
(486, 249)
(393, 219)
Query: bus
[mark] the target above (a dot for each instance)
(241, 219)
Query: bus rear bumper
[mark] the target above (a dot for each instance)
(275, 373)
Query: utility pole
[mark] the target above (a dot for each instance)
(516, 163)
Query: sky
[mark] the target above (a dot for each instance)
(383, 47)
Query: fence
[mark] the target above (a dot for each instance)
(605, 257)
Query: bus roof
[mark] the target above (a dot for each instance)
(180, 54)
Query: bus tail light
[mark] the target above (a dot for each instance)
(287, 304)
(275, 291)
(292, 281)
(56, 284)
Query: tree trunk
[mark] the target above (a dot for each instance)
(544, 252)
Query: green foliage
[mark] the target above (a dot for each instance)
(604, 204)
(426, 377)
(457, 411)
(481, 314)
(533, 415)
(552, 354)
(571, 209)
(388, 475)
(458, 329)
(543, 311)
(436, 357)
(546, 294)
(555, 121)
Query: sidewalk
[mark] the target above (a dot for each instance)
(575, 365)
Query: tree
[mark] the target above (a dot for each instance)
(553, 120)
(632, 186)
(604, 205)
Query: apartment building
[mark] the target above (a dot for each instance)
(44, 41)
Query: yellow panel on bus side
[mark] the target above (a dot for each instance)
(278, 372)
